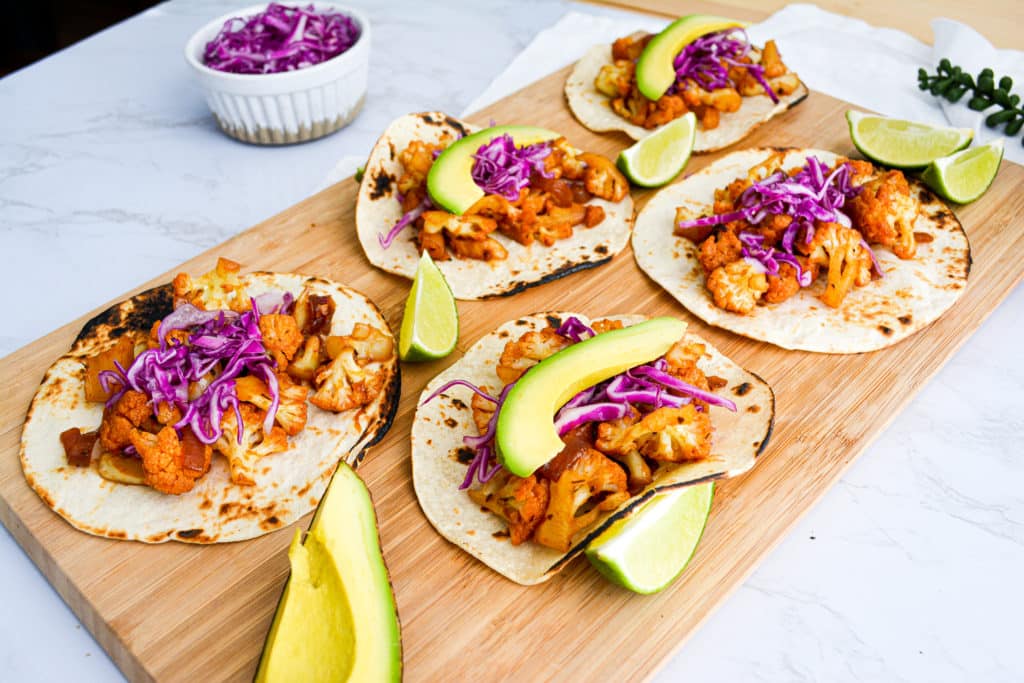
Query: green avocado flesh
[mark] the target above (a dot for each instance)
(449, 180)
(336, 620)
(526, 436)
(655, 70)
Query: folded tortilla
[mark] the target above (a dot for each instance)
(378, 209)
(439, 426)
(288, 484)
(912, 294)
(593, 109)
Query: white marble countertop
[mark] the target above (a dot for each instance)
(111, 170)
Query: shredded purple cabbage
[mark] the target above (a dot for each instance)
(281, 38)
(645, 388)
(407, 219)
(224, 343)
(502, 168)
(707, 60)
(811, 195)
(575, 329)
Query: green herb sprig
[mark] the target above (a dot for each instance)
(952, 82)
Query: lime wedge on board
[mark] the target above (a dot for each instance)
(646, 551)
(659, 157)
(904, 144)
(964, 176)
(430, 324)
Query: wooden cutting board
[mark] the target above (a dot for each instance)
(183, 613)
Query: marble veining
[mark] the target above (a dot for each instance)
(112, 169)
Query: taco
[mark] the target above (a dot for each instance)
(210, 409)
(499, 210)
(805, 249)
(681, 416)
(731, 86)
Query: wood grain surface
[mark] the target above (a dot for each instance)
(998, 20)
(183, 613)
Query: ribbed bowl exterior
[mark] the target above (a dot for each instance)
(283, 108)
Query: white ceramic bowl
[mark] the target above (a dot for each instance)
(292, 106)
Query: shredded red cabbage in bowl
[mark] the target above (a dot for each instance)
(281, 38)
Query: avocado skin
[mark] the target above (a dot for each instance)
(449, 180)
(526, 438)
(336, 619)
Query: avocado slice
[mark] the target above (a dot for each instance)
(526, 436)
(336, 620)
(449, 180)
(655, 70)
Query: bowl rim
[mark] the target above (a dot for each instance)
(209, 28)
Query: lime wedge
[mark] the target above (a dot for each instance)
(659, 157)
(904, 144)
(646, 551)
(430, 324)
(964, 176)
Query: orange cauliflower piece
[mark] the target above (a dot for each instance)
(243, 457)
(281, 337)
(218, 289)
(358, 372)
(839, 249)
(602, 179)
(737, 286)
(615, 79)
(520, 502)
(521, 354)
(885, 213)
(121, 421)
(666, 435)
(591, 478)
(291, 409)
(163, 461)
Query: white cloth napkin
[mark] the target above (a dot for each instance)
(872, 67)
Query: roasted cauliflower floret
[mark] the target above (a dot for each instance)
(291, 409)
(885, 213)
(589, 485)
(666, 435)
(468, 227)
(602, 179)
(839, 249)
(615, 79)
(483, 411)
(356, 376)
(486, 249)
(520, 502)
(682, 358)
(163, 461)
(219, 288)
(605, 325)
(737, 286)
(243, 456)
(564, 160)
(720, 249)
(123, 419)
(281, 337)
(417, 159)
(521, 354)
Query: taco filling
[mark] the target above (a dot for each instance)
(714, 75)
(775, 231)
(534, 193)
(224, 373)
(617, 435)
